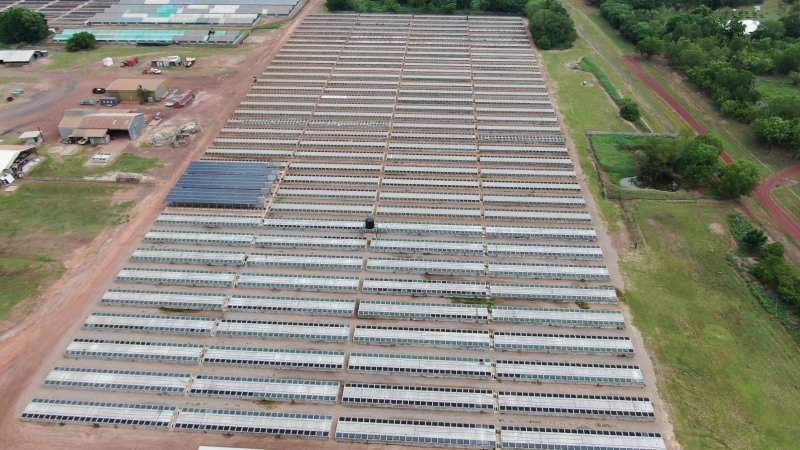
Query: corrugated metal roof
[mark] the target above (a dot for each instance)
(16, 56)
(114, 121)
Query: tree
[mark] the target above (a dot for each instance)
(552, 30)
(650, 46)
(629, 110)
(794, 77)
(81, 41)
(391, 5)
(772, 130)
(659, 159)
(507, 6)
(20, 25)
(698, 163)
(754, 239)
(338, 5)
(143, 94)
(738, 178)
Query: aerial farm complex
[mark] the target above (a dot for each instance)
(387, 243)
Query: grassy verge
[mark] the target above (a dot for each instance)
(73, 166)
(588, 64)
(42, 223)
(609, 48)
(23, 277)
(612, 155)
(584, 108)
(726, 368)
(62, 59)
(789, 199)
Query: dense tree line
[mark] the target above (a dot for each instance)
(711, 48)
(20, 25)
(549, 23)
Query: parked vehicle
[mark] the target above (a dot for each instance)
(158, 116)
(88, 101)
(17, 92)
(109, 101)
(169, 104)
(98, 91)
(184, 99)
(189, 61)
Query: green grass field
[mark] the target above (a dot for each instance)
(789, 199)
(776, 86)
(727, 369)
(617, 162)
(72, 166)
(62, 59)
(42, 223)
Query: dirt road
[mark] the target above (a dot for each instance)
(763, 193)
(27, 348)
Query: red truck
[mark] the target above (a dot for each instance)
(184, 99)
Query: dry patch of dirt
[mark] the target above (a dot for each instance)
(716, 228)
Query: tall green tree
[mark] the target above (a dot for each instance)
(18, 25)
(698, 163)
(772, 130)
(738, 179)
(550, 24)
(81, 41)
(650, 46)
(143, 94)
(629, 110)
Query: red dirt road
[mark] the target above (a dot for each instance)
(763, 193)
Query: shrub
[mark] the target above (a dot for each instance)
(81, 41)
(629, 110)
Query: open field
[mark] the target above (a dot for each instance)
(789, 199)
(726, 368)
(74, 166)
(42, 224)
(62, 59)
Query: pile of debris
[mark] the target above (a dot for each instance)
(176, 137)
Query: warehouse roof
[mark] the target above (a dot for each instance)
(109, 121)
(131, 84)
(16, 56)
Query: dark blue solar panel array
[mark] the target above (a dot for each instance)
(223, 184)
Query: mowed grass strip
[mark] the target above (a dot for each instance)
(584, 108)
(73, 166)
(42, 223)
(789, 199)
(728, 370)
(614, 156)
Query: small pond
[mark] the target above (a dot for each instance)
(657, 183)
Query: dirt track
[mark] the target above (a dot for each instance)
(27, 348)
(763, 192)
